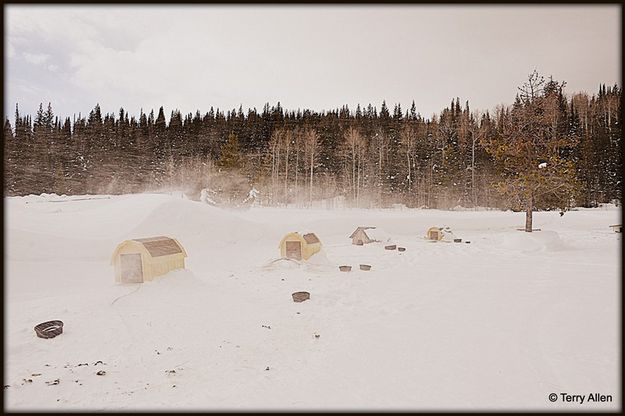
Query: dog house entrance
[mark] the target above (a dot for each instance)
(294, 250)
(132, 271)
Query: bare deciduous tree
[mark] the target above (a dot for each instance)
(311, 146)
(353, 144)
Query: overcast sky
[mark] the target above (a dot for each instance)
(316, 57)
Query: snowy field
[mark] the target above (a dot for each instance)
(497, 324)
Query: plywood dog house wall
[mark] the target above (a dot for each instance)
(435, 233)
(143, 259)
(360, 236)
(367, 235)
(299, 247)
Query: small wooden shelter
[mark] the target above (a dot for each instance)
(435, 233)
(360, 236)
(143, 259)
(299, 247)
(618, 228)
(367, 235)
(440, 234)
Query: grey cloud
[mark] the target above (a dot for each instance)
(317, 57)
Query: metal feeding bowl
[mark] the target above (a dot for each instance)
(401, 248)
(393, 247)
(49, 329)
(300, 296)
(345, 268)
(365, 267)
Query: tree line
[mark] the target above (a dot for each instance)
(372, 157)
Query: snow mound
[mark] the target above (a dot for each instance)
(282, 263)
(319, 259)
(535, 241)
(44, 197)
(379, 235)
(89, 228)
(184, 218)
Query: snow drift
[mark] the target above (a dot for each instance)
(497, 324)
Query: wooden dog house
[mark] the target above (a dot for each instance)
(361, 236)
(434, 233)
(367, 235)
(143, 259)
(299, 247)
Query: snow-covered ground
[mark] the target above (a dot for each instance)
(496, 324)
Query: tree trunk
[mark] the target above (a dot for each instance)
(296, 175)
(528, 213)
(358, 170)
(312, 165)
(380, 178)
(409, 173)
(286, 174)
(473, 173)
(353, 172)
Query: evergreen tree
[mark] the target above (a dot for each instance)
(454, 157)
(230, 156)
(533, 168)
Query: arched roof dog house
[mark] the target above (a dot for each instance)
(440, 234)
(297, 247)
(435, 233)
(143, 259)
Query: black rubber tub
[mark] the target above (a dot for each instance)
(300, 296)
(49, 329)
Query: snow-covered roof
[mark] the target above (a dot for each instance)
(359, 229)
(378, 234)
(311, 238)
(160, 246)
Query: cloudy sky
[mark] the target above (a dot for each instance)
(316, 57)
